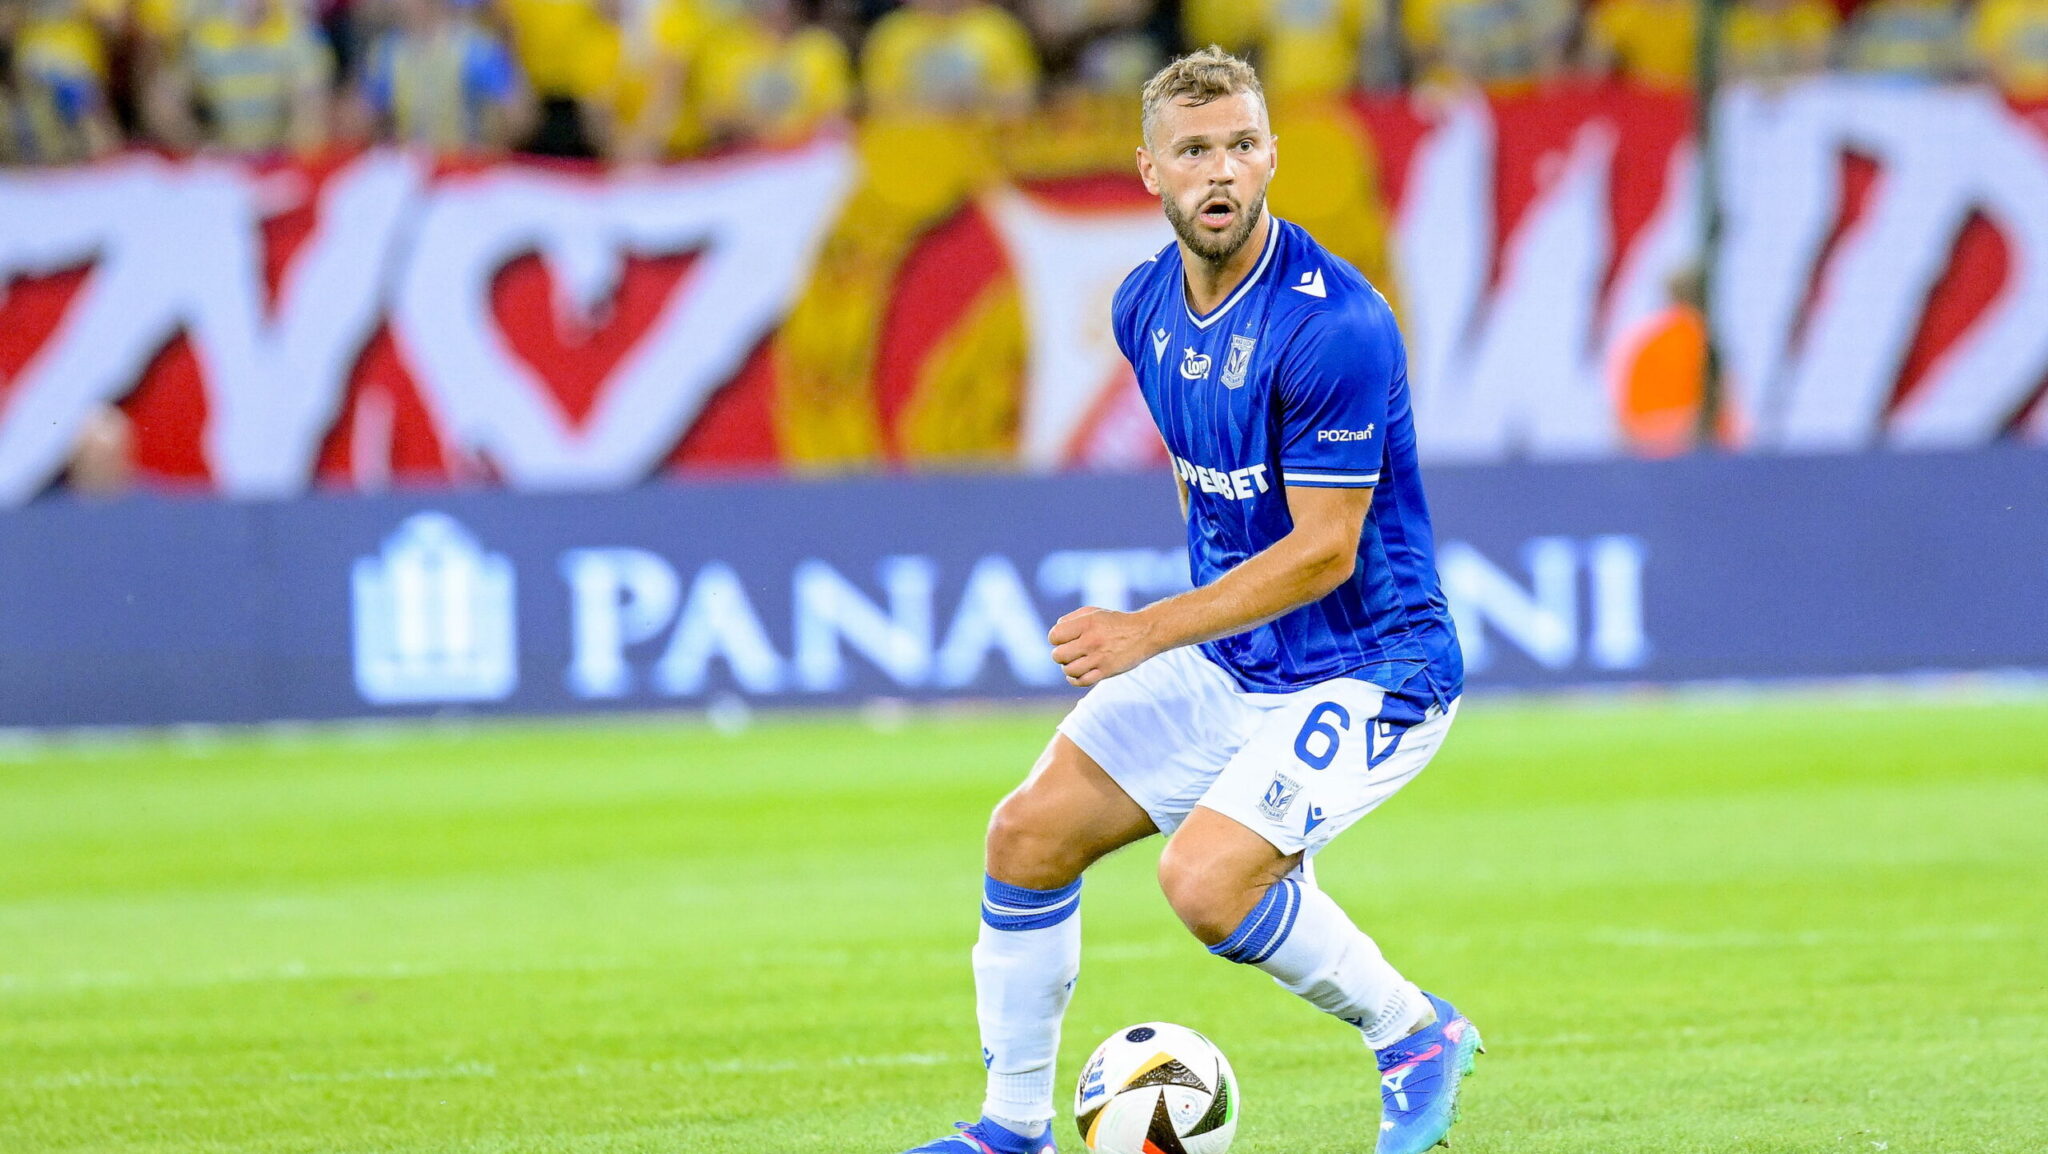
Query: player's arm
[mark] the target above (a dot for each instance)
(1334, 388)
(1315, 557)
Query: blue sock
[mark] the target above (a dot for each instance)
(1265, 928)
(1008, 907)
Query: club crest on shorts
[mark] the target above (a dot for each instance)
(1279, 797)
(1238, 361)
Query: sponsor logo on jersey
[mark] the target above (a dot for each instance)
(1238, 361)
(1158, 345)
(1236, 485)
(1279, 797)
(1194, 366)
(1364, 434)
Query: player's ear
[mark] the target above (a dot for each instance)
(1145, 172)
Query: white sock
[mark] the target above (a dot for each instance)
(1025, 964)
(1300, 936)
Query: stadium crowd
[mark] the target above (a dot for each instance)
(645, 80)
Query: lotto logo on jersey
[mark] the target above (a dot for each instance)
(1236, 485)
(1364, 434)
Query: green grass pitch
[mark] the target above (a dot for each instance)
(1814, 923)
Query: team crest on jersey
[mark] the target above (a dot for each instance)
(1279, 797)
(1239, 360)
(1194, 366)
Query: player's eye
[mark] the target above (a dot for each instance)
(1244, 145)
(1191, 150)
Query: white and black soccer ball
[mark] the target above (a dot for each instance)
(1157, 1088)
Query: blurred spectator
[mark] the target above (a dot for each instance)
(1382, 57)
(562, 47)
(768, 78)
(1309, 48)
(53, 84)
(648, 80)
(1115, 63)
(1097, 53)
(336, 20)
(1306, 48)
(636, 76)
(949, 57)
(253, 77)
(1095, 46)
(102, 460)
(439, 80)
(2010, 38)
(1232, 25)
(1652, 42)
(1660, 375)
(1503, 45)
(1907, 40)
(1775, 40)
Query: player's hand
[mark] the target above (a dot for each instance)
(1091, 644)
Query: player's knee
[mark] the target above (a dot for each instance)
(1026, 849)
(1209, 896)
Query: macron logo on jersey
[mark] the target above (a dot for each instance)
(1158, 345)
(1235, 485)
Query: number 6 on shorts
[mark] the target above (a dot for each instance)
(1332, 734)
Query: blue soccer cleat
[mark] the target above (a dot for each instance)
(986, 1137)
(1419, 1078)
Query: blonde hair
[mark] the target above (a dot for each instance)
(1198, 78)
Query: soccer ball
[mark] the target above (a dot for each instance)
(1157, 1088)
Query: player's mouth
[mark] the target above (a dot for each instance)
(1217, 212)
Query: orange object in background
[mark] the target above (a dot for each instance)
(1660, 377)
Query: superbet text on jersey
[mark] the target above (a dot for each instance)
(1298, 378)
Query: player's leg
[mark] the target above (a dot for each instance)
(1130, 760)
(1065, 817)
(1313, 768)
(1241, 896)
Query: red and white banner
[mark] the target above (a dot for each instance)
(1882, 280)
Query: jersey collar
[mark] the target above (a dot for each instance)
(1258, 270)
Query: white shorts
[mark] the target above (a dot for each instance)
(1296, 768)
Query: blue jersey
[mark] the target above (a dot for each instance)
(1298, 378)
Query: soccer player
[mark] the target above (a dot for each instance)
(1310, 673)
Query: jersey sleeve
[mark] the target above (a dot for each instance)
(489, 73)
(1123, 309)
(1336, 382)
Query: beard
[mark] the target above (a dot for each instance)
(1214, 248)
